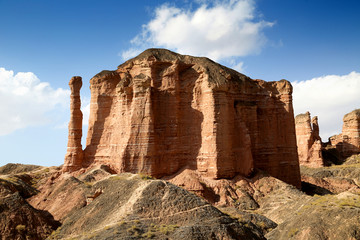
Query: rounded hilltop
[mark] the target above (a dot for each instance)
(352, 115)
(218, 73)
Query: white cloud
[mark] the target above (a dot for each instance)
(26, 101)
(226, 29)
(328, 97)
(85, 103)
(238, 66)
(130, 53)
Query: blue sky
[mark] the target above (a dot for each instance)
(313, 44)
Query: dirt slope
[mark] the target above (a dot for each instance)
(129, 206)
(330, 217)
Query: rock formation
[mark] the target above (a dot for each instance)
(308, 141)
(348, 142)
(331, 179)
(161, 112)
(74, 154)
(131, 206)
(18, 219)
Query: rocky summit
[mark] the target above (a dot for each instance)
(162, 112)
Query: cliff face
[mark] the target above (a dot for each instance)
(308, 141)
(161, 112)
(348, 142)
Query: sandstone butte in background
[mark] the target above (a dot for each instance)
(163, 113)
(308, 140)
(314, 153)
(348, 142)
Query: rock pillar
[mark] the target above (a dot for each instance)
(315, 128)
(74, 154)
(308, 141)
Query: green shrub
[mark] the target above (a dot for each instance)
(148, 234)
(166, 229)
(144, 176)
(133, 230)
(261, 224)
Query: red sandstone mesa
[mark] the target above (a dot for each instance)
(348, 142)
(308, 141)
(162, 112)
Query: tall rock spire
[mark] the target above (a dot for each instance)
(74, 154)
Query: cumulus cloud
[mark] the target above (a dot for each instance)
(239, 67)
(328, 97)
(26, 101)
(85, 103)
(225, 29)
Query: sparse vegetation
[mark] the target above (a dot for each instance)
(261, 224)
(144, 176)
(37, 176)
(121, 223)
(20, 228)
(332, 200)
(11, 179)
(154, 230)
(134, 230)
(292, 232)
(166, 229)
(148, 235)
(89, 184)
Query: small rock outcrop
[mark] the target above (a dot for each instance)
(348, 142)
(308, 141)
(161, 112)
(74, 154)
(18, 219)
(332, 179)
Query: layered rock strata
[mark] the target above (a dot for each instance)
(161, 112)
(348, 142)
(74, 154)
(308, 141)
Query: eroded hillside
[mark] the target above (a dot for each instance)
(98, 204)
